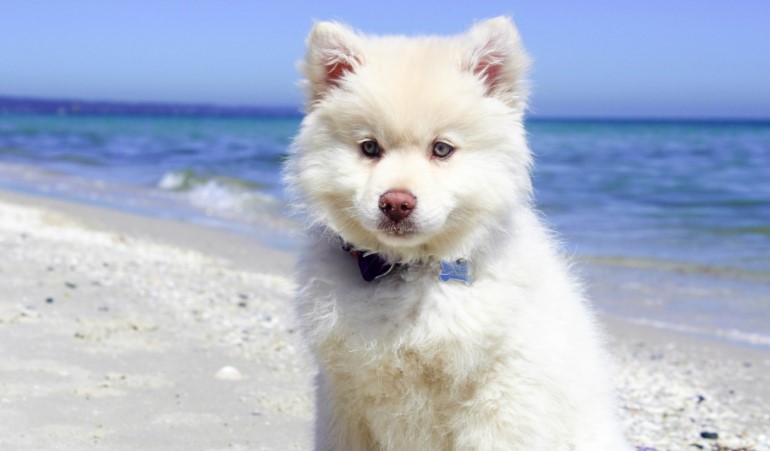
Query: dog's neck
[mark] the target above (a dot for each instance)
(374, 266)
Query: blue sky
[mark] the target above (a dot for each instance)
(655, 58)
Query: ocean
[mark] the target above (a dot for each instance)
(668, 221)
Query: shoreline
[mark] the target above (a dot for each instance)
(624, 278)
(189, 293)
(235, 247)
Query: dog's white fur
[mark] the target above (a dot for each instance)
(511, 361)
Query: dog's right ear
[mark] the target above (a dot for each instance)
(332, 52)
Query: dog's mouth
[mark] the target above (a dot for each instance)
(401, 229)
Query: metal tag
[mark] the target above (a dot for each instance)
(456, 270)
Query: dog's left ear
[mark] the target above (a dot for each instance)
(332, 52)
(497, 57)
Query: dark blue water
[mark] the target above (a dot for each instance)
(141, 150)
(679, 197)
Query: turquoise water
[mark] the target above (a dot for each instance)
(688, 199)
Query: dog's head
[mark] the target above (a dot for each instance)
(412, 147)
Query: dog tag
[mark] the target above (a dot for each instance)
(456, 270)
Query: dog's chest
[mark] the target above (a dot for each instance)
(405, 353)
(418, 337)
(419, 357)
(385, 385)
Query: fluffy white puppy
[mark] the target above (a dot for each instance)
(439, 311)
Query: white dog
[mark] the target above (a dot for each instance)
(436, 304)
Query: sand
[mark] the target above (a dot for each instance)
(111, 340)
(123, 332)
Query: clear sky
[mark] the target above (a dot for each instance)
(608, 58)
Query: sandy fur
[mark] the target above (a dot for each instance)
(512, 360)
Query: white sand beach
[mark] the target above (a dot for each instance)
(116, 331)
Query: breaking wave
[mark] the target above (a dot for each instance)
(220, 194)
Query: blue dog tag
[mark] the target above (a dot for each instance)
(457, 270)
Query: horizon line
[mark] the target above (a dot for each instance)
(64, 106)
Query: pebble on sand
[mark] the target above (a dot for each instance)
(228, 373)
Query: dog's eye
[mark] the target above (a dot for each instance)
(442, 149)
(370, 148)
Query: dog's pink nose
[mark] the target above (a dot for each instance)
(397, 204)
